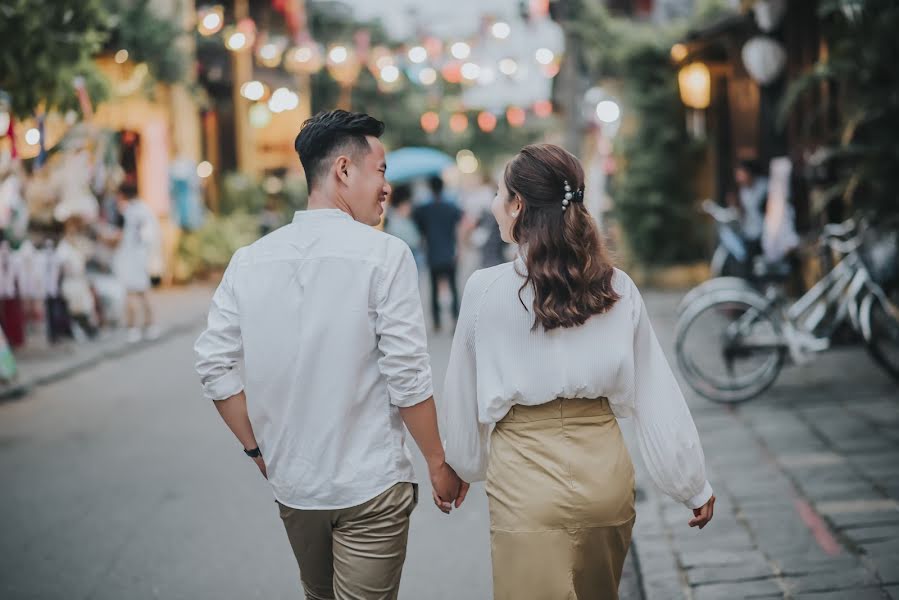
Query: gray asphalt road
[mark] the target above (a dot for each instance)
(122, 482)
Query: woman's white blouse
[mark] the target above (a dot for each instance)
(498, 361)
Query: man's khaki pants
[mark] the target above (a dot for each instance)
(353, 553)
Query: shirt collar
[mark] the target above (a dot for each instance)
(320, 213)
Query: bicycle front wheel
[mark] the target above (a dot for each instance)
(879, 316)
(729, 347)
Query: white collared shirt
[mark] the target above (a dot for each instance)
(498, 361)
(326, 315)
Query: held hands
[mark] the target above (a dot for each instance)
(448, 489)
(703, 514)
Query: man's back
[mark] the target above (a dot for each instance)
(438, 221)
(328, 356)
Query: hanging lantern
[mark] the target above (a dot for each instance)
(452, 72)
(764, 59)
(269, 54)
(305, 58)
(379, 58)
(543, 108)
(515, 116)
(695, 83)
(430, 121)
(210, 20)
(769, 13)
(343, 64)
(458, 123)
(487, 121)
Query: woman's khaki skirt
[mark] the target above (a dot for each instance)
(561, 490)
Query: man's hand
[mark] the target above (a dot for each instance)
(447, 486)
(703, 514)
(261, 464)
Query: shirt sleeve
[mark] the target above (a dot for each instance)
(665, 430)
(400, 328)
(220, 347)
(465, 437)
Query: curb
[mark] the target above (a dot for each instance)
(21, 389)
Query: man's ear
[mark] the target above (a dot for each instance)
(343, 165)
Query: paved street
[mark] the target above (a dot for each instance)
(121, 482)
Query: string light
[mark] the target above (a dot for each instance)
(466, 161)
(508, 66)
(487, 121)
(460, 50)
(501, 30)
(390, 73)
(418, 54)
(252, 90)
(121, 56)
(544, 56)
(211, 20)
(236, 41)
(204, 169)
(33, 136)
(430, 121)
(458, 123)
(338, 54)
(515, 116)
(470, 71)
(427, 76)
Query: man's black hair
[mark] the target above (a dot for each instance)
(401, 195)
(328, 133)
(436, 185)
(128, 189)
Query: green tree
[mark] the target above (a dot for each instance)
(654, 196)
(860, 65)
(46, 44)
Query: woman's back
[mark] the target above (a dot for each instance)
(521, 365)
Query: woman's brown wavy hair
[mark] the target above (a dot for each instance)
(567, 263)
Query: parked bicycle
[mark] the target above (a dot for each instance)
(732, 339)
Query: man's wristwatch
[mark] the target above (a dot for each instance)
(254, 453)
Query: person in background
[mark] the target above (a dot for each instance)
(752, 194)
(131, 262)
(439, 222)
(399, 221)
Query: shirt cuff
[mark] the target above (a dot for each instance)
(407, 399)
(229, 384)
(701, 498)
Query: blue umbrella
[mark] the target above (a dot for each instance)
(410, 163)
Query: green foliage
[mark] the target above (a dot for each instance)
(654, 197)
(241, 194)
(209, 249)
(863, 48)
(148, 38)
(46, 44)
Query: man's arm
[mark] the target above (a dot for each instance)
(219, 349)
(421, 421)
(234, 412)
(406, 367)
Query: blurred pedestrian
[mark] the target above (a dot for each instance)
(752, 196)
(399, 221)
(549, 350)
(439, 222)
(132, 262)
(325, 315)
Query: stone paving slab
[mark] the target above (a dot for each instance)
(807, 478)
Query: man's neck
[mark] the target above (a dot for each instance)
(323, 201)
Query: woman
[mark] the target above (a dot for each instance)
(549, 349)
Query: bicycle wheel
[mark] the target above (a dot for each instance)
(879, 316)
(729, 347)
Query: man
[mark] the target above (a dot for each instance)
(326, 315)
(439, 221)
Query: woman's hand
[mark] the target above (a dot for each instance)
(703, 514)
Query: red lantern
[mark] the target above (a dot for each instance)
(487, 121)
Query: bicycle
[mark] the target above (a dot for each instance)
(753, 333)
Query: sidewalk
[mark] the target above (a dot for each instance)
(807, 482)
(176, 310)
